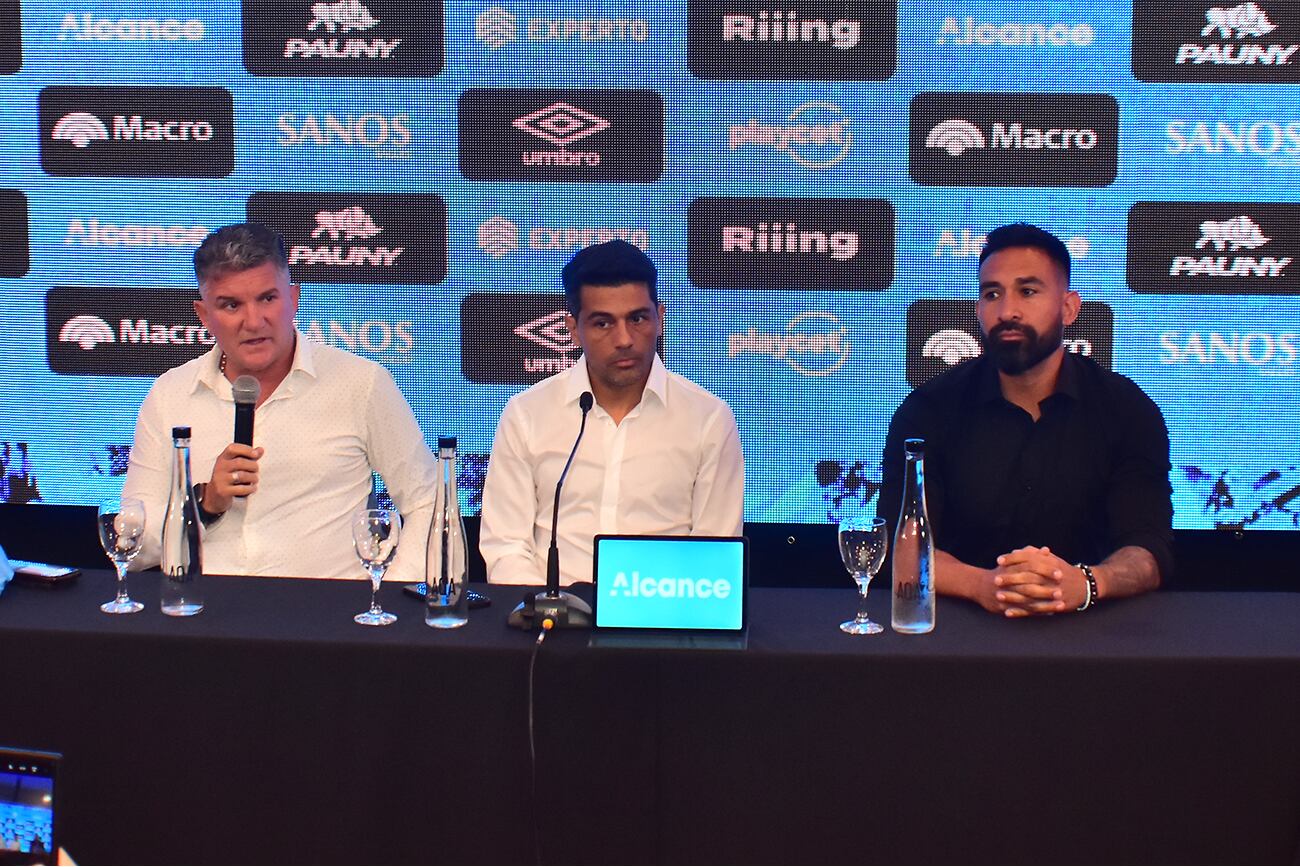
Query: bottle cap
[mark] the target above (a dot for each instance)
(181, 433)
(446, 442)
(914, 446)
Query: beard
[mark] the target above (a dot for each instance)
(1017, 357)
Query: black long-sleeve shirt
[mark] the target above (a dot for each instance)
(1089, 477)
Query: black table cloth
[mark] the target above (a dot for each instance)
(272, 728)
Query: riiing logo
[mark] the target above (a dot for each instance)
(86, 331)
(787, 26)
(788, 238)
(816, 135)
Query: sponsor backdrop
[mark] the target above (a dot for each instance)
(814, 178)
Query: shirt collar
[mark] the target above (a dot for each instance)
(580, 381)
(210, 375)
(989, 387)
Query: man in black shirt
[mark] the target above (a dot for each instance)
(1046, 476)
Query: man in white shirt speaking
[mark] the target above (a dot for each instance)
(660, 455)
(324, 420)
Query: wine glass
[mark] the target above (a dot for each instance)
(121, 532)
(375, 533)
(863, 543)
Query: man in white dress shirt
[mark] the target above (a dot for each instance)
(660, 455)
(324, 420)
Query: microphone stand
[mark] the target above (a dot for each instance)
(564, 609)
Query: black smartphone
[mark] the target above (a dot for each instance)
(43, 574)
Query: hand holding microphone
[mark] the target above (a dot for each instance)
(235, 473)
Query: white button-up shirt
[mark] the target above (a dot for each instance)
(332, 420)
(673, 466)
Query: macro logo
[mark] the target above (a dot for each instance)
(381, 135)
(815, 135)
(11, 44)
(813, 343)
(1214, 247)
(771, 243)
(968, 243)
(1014, 139)
(171, 132)
(121, 331)
(15, 236)
(386, 341)
(1268, 352)
(101, 234)
(496, 27)
(88, 28)
(350, 38)
(561, 135)
(803, 40)
(1012, 34)
(1212, 41)
(942, 334)
(1270, 142)
(498, 237)
(340, 237)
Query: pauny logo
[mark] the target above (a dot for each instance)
(1232, 235)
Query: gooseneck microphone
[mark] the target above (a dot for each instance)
(564, 609)
(247, 390)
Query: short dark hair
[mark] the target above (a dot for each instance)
(238, 247)
(608, 264)
(1026, 235)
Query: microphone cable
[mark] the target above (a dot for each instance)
(547, 625)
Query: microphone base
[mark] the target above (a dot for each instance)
(566, 610)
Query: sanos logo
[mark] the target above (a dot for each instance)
(122, 331)
(967, 243)
(1014, 33)
(813, 344)
(1277, 143)
(92, 29)
(561, 135)
(815, 135)
(499, 237)
(1268, 353)
(1216, 42)
(549, 332)
(1013, 139)
(86, 331)
(800, 40)
(358, 237)
(496, 27)
(385, 136)
(344, 37)
(389, 342)
(1233, 247)
(943, 334)
(951, 346)
(94, 233)
(137, 131)
(769, 243)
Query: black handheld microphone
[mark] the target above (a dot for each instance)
(247, 390)
(564, 609)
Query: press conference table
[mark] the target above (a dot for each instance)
(271, 728)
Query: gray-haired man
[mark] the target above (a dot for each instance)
(325, 419)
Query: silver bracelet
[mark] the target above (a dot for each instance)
(1091, 583)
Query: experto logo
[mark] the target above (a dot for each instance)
(1214, 247)
(137, 131)
(773, 243)
(358, 237)
(122, 331)
(850, 40)
(561, 135)
(499, 237)
(1255, 41)
(352, 38)
(942, 334)
(1014, 139)
(497, 27)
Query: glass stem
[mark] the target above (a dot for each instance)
(862, 601)
(376, 578)
(121, 581)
